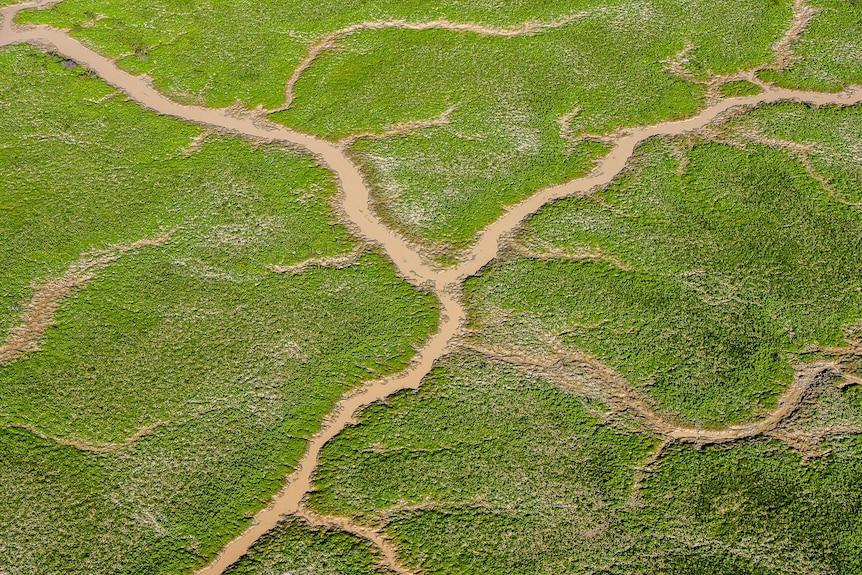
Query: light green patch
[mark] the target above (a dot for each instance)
(740, 88)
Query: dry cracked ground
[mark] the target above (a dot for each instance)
(431, 288)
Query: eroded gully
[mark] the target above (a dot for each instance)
(355, 198)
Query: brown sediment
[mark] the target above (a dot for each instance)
(330, 262)
(592, 379)
(802, 16)
(784, 57)
(403, 129)
(196, 143)
(485, 249)
(446, 283)
(802, 152)
(565, 123)
(289, 500)
(90, 446)
(593, 255)
(388, 553)
(39, 312)
(642, 471)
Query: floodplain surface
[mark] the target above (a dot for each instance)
(442, 290)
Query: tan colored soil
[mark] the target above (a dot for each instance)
(330, 262)
(404, 129)
(607, 386)
(92, 446)
(388, 552)
(39, 312)
(355, 196)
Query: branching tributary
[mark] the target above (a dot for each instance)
(445, 283)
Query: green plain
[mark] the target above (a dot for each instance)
(231, 365)
(717, 266)
(489, 470)
(295, 547)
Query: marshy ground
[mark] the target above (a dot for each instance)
(220, 349)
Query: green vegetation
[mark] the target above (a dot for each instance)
(830, 136)
(699, 270)
(247, 50)
(488, 470)
(829, 51)
(180, 383)
(295, 547)
(740, 88)
(224, 366)
(468, 471)
(74, 157)
(521, 105)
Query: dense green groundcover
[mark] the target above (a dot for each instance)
(217, 52)
(714, 262)
(518, 104)
(739, 88)
(704, 275)
(829, 51)
(295, 547)
(228, 364)
(486, 470)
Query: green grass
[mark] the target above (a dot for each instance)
(789, 515)
(235, 365)
(486, 470)
(247, 50)
(740, 88)
(469, 470)
(831, 133)
(69, 164)
(828, 52)
(295, 547)
(162, 334)
(215, 52)
(728, 264)
(441, 186)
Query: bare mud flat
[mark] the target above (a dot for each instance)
(355, 198)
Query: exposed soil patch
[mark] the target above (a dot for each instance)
(93, 446)
(331, 262)
(39, 312)
(592, 379)
(388, 552)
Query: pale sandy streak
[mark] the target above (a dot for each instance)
(802, 16)
(619, 395)
(330, 262)
(39, 312)
(329, 41)
(387, 551)
(91, 446)
(402, 129)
